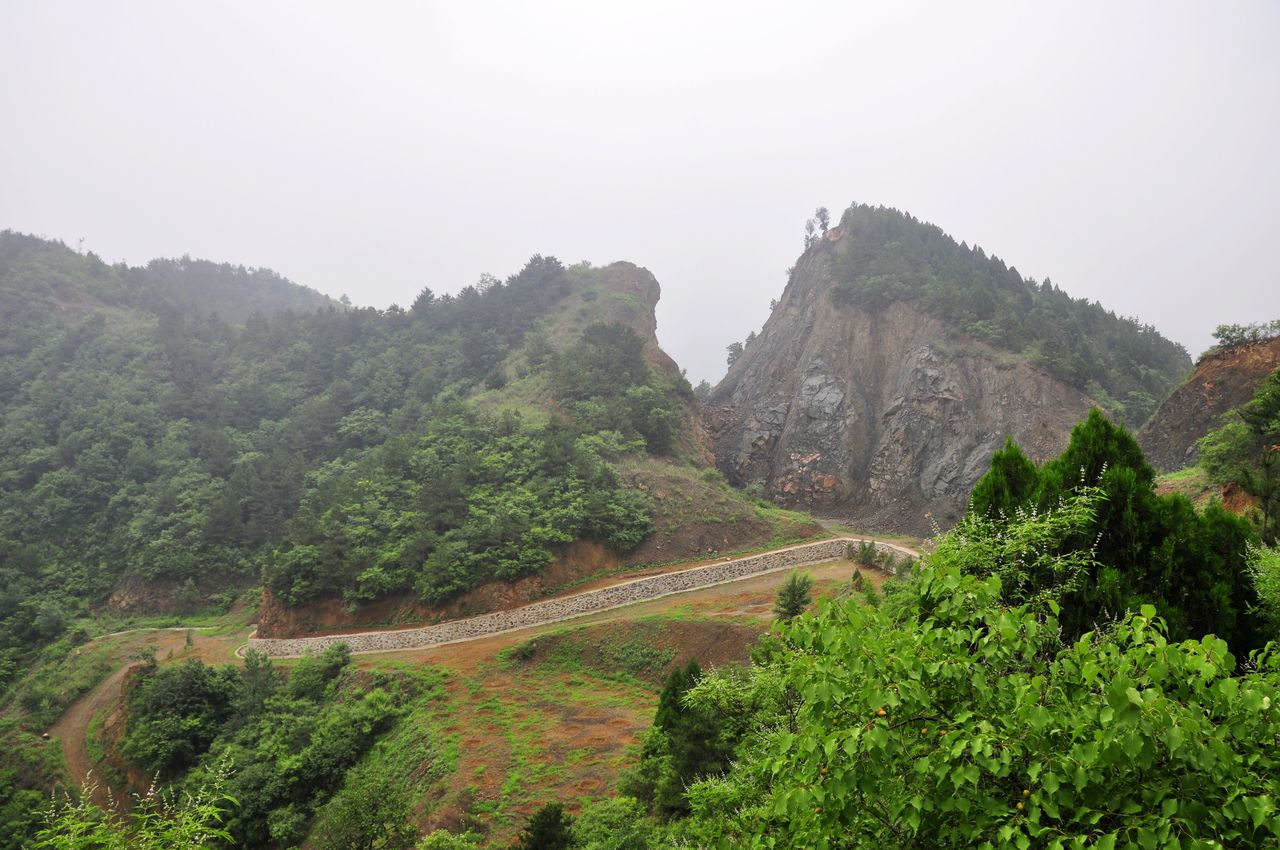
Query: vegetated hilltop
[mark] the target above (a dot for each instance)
(896, 363)
(1224, 379)
(155, 453)
(40, 279)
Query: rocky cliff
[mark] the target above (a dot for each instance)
(1221, 382)
(879, 413)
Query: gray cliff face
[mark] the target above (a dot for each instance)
(880, 416)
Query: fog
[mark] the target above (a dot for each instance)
(1128, 151)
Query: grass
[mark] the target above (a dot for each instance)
(581, 650)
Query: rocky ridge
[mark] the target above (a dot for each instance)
(881, 415)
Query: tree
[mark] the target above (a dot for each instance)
(549, 828)
(702, 391)
(369, 813)
(1136, 539)
(616, 823)
(1010, 483)
(793, 596)
(947, 718)
(423, 302)
(735, 351)
(810, 235)
(823, 218)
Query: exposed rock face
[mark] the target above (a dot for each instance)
(1222, 381)
(881, 416)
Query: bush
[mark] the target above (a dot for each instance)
(951, 718)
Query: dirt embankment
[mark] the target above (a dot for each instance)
(1222, 381)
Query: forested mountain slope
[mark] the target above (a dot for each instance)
(155, 453)
(897, 361)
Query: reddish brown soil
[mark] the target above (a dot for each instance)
(1221, 382)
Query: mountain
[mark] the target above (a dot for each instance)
(1223, 380)
(897, 361)
(160, 451)
(41, 278)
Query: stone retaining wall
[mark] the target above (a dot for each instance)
(567, 607)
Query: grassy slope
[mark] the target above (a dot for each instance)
(515, 722)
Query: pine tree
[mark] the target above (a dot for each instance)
(549, 828)
(793, 597)
(1010, 482)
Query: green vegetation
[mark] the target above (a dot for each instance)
(887, 256)
(1246, 450)
(948, 717)
(176, 427)
(686, 742)
(1230, 336)
(471, 499)
(548, 829)
(794, 596)
(1144, 549)
(159, 822)
(291, 740)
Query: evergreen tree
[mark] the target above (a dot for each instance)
(693, 741)
(1147, 548)
(1010, 483)
(823, 216)
(549, 828)
(793, 596)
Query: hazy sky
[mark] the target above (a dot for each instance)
(1127, 150)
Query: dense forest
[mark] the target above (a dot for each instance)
(147, 436)
(887, 256)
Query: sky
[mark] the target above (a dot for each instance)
(1126, 150)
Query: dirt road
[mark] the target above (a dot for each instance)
(749, 597)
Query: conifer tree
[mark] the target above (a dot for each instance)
(549, 828)
(793, 597)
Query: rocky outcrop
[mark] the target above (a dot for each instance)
(1221, 382)
(884, 416)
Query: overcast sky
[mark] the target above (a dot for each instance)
(1127, 150)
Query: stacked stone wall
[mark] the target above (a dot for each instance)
(568, 607)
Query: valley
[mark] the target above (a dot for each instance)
(428, 577)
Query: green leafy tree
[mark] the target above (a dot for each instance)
(370, 812)
(617, 823)
(948, 717)
(794, 596)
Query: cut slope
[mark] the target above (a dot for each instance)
(1222, 381)
(868, 393)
